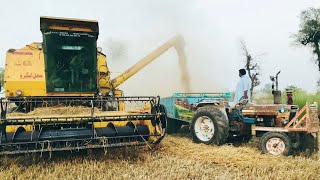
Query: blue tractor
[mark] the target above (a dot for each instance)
(213, 119)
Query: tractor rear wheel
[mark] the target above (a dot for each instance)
(276, 143)
(209, 126)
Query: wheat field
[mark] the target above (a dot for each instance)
(177, 157)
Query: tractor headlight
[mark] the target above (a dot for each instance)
(99, 49)
(18, 92)
(100, 93)
(281, 110)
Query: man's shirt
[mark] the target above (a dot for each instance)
(244, 84)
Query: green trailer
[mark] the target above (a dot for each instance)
(181, 107)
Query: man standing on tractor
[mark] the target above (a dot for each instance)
(243, 87)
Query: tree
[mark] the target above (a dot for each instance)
(309, 31)
(267, 88)
(251, 66)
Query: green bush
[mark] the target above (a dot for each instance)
(301, 97)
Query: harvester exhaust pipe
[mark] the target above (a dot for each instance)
(177, 42)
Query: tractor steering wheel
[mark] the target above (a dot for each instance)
(242, 103)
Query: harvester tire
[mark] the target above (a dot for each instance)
(276, 143)
(209, 126)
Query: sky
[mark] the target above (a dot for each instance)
(212, 31)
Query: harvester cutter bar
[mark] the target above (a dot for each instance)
(73, 144)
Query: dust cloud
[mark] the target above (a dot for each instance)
(197, 67)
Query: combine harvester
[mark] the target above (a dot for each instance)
(68, 69)
(212, 120)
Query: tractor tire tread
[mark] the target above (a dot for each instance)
(221, 125)
(284, 137)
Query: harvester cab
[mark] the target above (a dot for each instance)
(70, 53)
(68, 69)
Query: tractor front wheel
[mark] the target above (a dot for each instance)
(209, 126)
(276, 143)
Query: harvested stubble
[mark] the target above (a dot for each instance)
(63, 111)
(176, 158)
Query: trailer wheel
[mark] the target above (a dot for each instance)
(275, 143)
(209, 126)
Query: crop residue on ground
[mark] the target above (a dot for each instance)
(176, 158)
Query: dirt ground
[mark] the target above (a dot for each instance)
(177, 157)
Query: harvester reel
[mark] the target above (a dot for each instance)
(163, 116)
(162, 122)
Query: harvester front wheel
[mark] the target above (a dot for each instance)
(276, 143)
(209, 126)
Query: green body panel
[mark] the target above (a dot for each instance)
(182, 106)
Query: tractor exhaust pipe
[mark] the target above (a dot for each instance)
(275, 91)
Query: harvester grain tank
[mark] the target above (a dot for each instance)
(67, 68)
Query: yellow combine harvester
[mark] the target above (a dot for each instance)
(67, 68)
